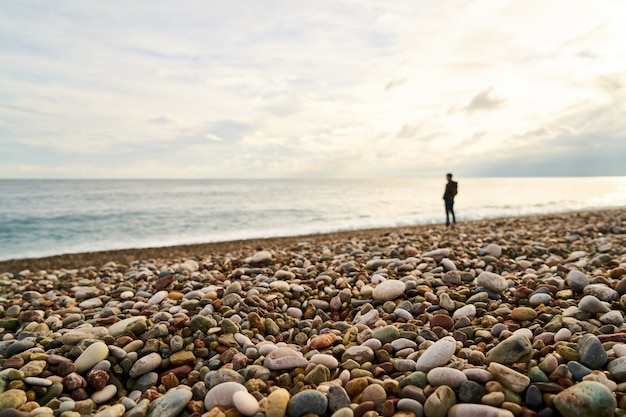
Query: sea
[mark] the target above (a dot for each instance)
(41, 218)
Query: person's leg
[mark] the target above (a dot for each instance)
(447, 203)
(452, 211)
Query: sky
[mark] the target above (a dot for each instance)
(307, 89)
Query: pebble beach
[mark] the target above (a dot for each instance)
(503, 317)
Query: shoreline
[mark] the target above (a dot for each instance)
(197, 251)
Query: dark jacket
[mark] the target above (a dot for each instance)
(451, 189)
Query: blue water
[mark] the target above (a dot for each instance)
(49, 217)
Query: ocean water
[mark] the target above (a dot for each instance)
(49, 217)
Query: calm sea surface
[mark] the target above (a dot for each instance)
(48, 217)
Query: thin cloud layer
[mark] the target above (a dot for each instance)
(275, 89)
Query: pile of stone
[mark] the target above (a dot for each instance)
(507, 317)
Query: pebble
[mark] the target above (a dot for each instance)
(12, 398)
(284, 358)
(468, 311)
(515, 381)
(586, 399)
(39, 382)
(446, 376)
(327, 360)
(145, 364)
(411, 405)
(386, 334)
(104, 395)
(338, 398)
(33, 368)
(538, 299)
(523, 314)
(492, 282)
(438, 354)
(439, 402)
(307, 401)
(516, 348)
(592, 304)
(374, 393)
(442, 320)
(245, 403)
(448, 265)
(590, 351)
(601, 292)
(359, 354)
(345, 412)
(617, 368)
(171, 404)
(614, 317)
(276, 404)
(389, 290)
(116, 410)
(261, 257)
(477, 410)
(577, 280)
(94, 353)
(222, 395)
(563, 334)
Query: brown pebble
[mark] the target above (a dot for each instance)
(195, 407)
(617, 337)
(362, 408)
(441, 320)
(413, 392)
(74, 381)
(66, 368)
(107, 321)
(169, 380)
(97, 379)
(180, 371)
(240, 361)
(150, 394)
(79, 394)
(163, 282)
(29, 316)
(322, 341)
(356, 386)
(55, 359)
(13, 362)
(388, 408)
(183, 357)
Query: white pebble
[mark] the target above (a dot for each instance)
(446, 376)
(245, 403)
(562, 335)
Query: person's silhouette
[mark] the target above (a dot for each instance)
(448, 198)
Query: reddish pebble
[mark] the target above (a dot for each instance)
(441, 320)
(97, 378)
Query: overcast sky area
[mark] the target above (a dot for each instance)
(305, 89)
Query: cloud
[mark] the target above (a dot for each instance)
(213, 137)
(611, 83)
(394, 83)
(165, 119)
(483, 101)
(334, 89)
(28, 110)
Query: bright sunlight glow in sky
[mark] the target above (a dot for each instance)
(292, 89)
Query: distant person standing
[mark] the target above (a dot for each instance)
(448, 198)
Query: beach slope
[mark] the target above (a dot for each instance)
(501, 317)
